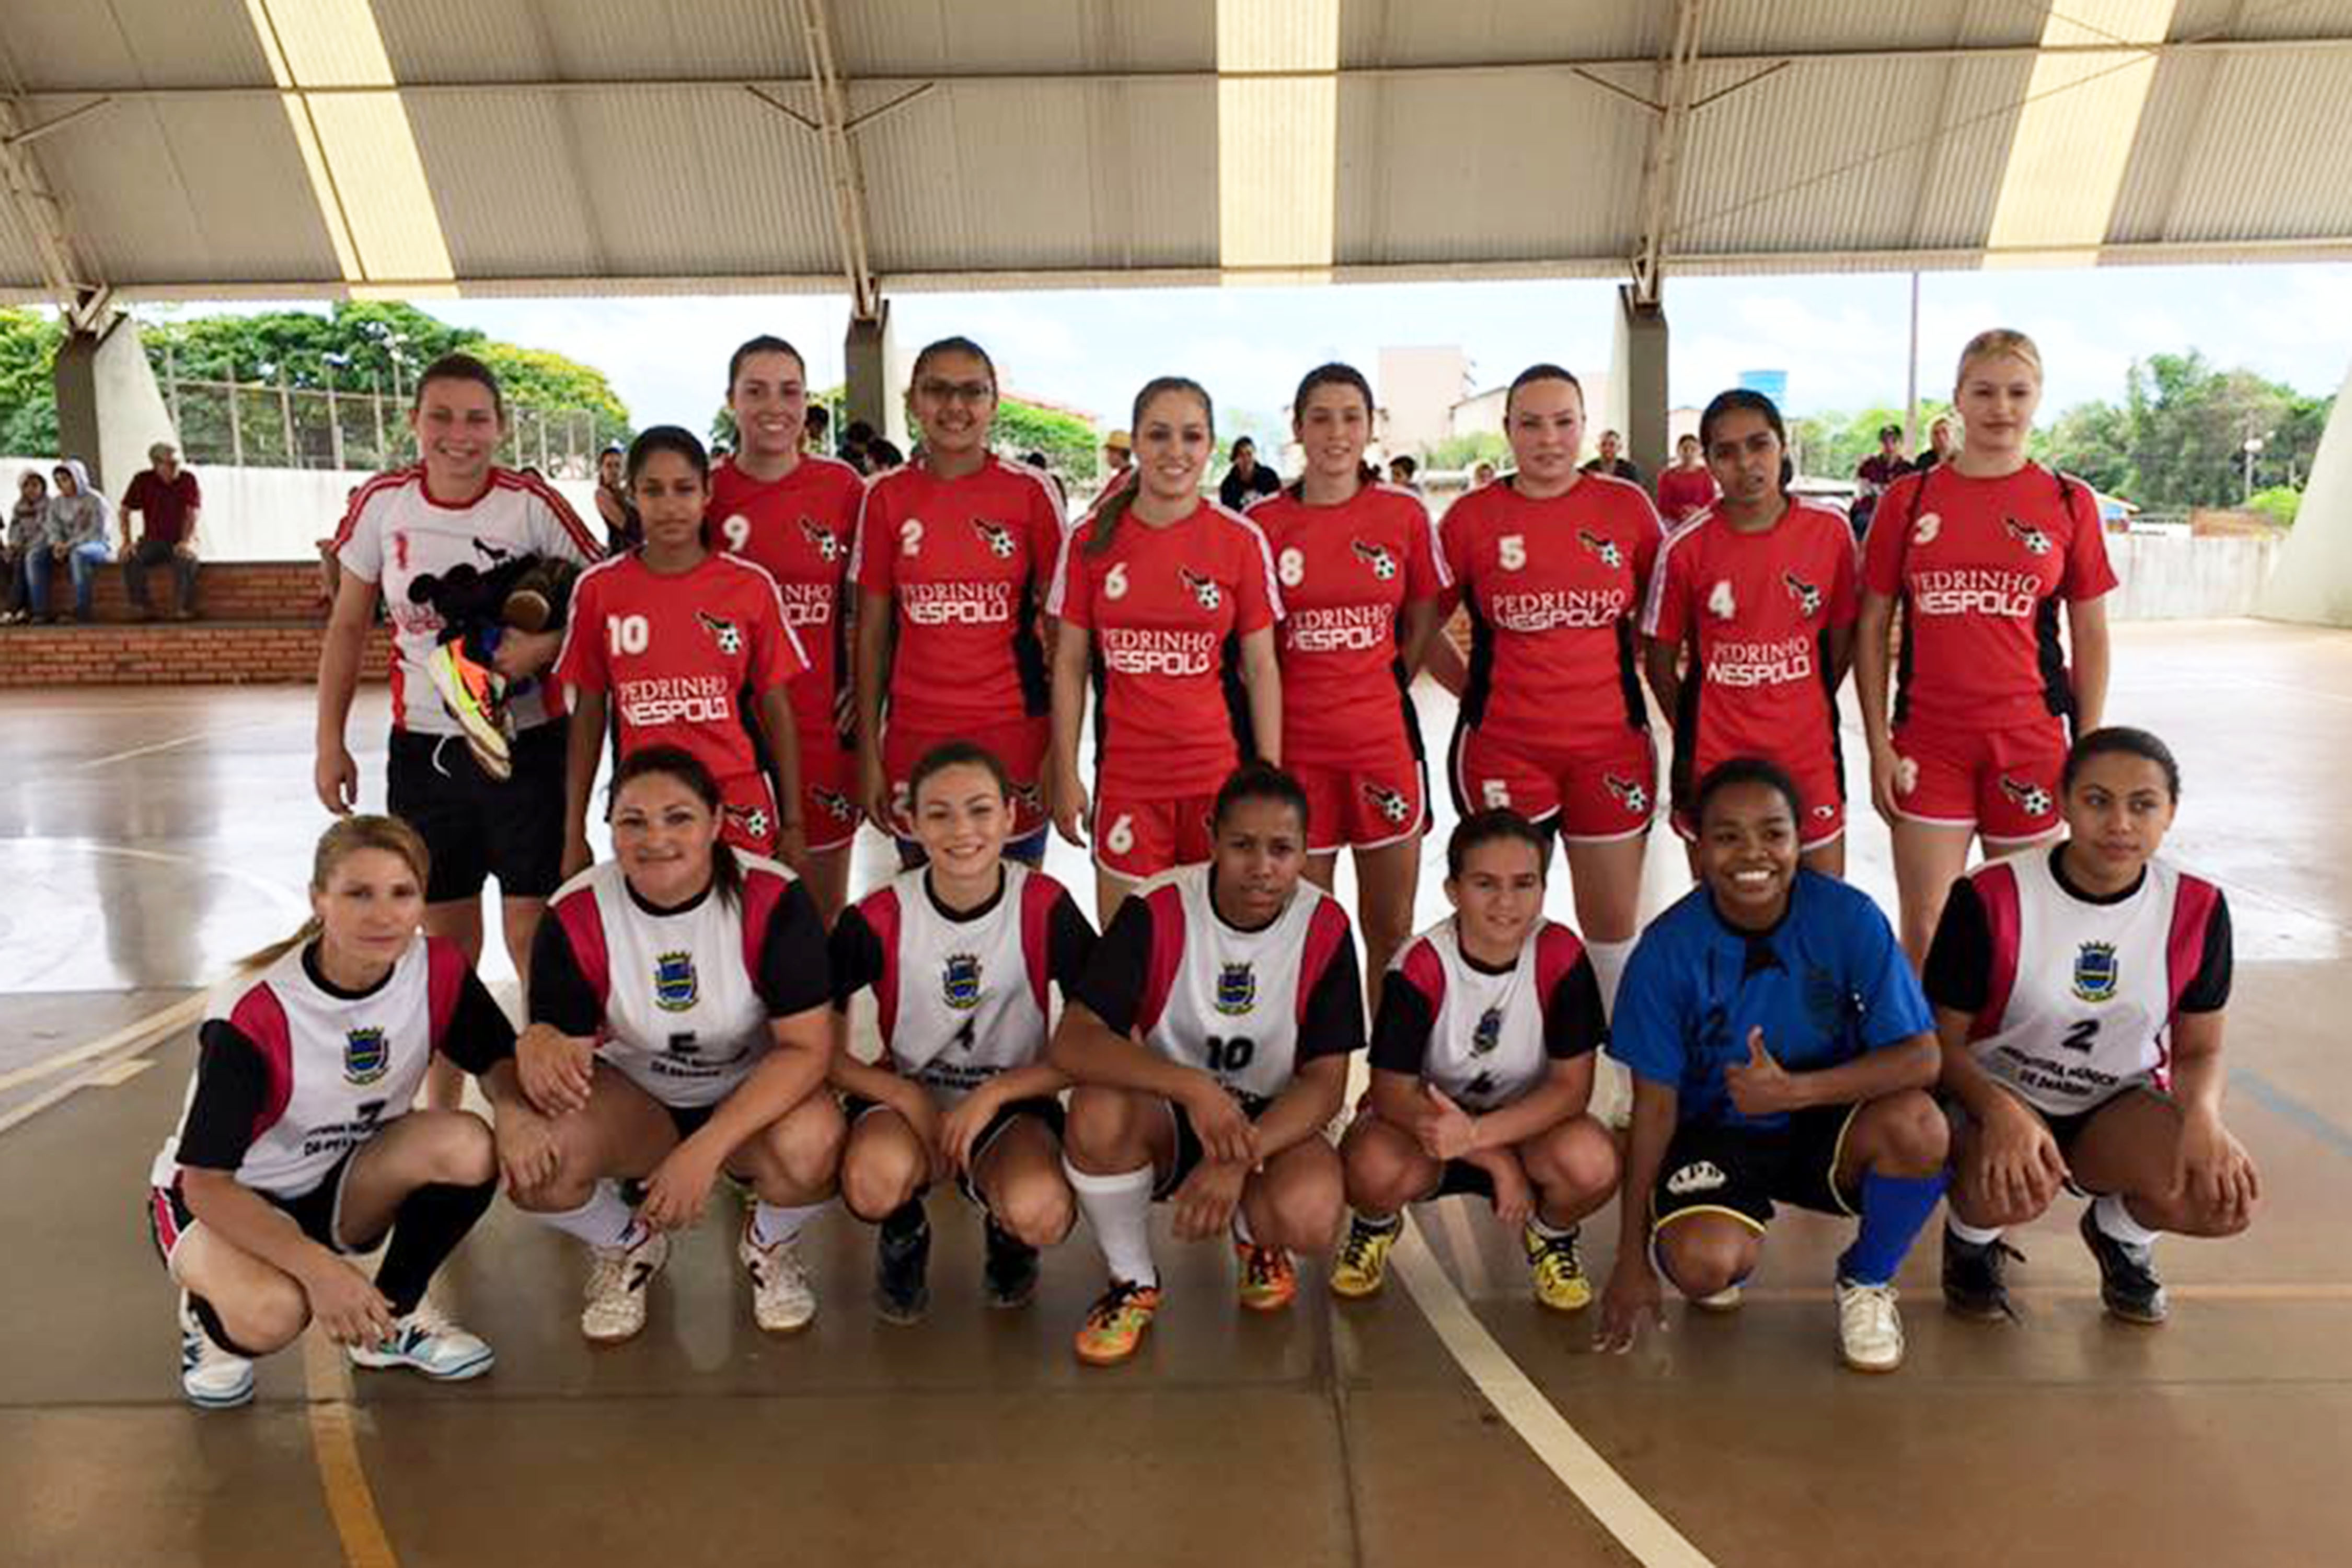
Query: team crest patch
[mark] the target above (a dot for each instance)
(1204, 590)
(1629, 792)
(674, 986)
(828, 548)
(840, 807)
(366, 1056)
(1606, 549)
(2096, 972)
(1808, 597)
(1000, 540)
(959, 981)
(1236, 988)
(1698, 1176)
(1488, 1033)
(728, 636)
(1376, 556)
(1392, 806)
(2036, 542)
(2031, 798)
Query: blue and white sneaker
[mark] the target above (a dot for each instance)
(425, 1342)
(211, 1378)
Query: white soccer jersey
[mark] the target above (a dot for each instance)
(961, 1001)
(1485, 1046)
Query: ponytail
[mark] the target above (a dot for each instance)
(1115, 506)
(344, 837)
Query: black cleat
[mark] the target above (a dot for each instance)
(902, 1264)
(1973, 1286)
(1011, 1275)
(2127, 1281)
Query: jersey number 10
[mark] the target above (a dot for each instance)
(1230, 1054)
(627, 634)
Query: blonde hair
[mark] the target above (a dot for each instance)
(2000, 342)
(344, 837)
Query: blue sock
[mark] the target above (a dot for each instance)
(1893, 1210)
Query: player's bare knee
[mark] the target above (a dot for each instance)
(1037, 1213)
(464, 1153)
(1908, 1135)
(1104, 1133)
(1308, 1215)
(268, 1316)
(1702, 1262)
(876, 1182)
(1579, 1160)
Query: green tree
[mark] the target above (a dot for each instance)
(1069, 443)
(29, 399)
(1460, 453)
(2179, 438)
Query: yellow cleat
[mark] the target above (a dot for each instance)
(1269, 1280)
(1362, 1265)
(1557, 1270)
(1115, 1323)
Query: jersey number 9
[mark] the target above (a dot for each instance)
(737, 532)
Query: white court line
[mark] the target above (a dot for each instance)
(1637, 1527)
(143, 1031)
(145, 751)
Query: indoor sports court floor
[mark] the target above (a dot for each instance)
(146, 837)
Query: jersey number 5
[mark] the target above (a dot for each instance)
(1511, 550)
(627, 634)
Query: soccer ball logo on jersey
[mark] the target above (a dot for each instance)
(1028, 797)
(838, 806)
(1392, 806)
(728, 634)
(1000, 540)
(1606, 549)
(675, 987)
(1629, 792)
(1203, 590)
(366, 1056)
(1488, 1034)
(828, 548)
(1808, 597)
(2096, 972)
(959, 981)
(1236, 989)
(2031, 798)
(1376, 556)
(753, 819)
(2036, 542)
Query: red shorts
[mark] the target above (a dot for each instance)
(1365, 807)
(2002, 783)
(1138, 836)
(748, 814)
(829, 812)
(1598, 790)
(1821, 797)
(1021, 746)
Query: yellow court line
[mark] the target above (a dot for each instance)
(333, 1442)
(143, 1031)
(1623, 1512)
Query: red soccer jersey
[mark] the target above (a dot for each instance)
(968, 561)
(678, 654)
(799, 529)
(1346, 573)
(1981, 566)
(1684, 493)
(1756, 611)
(1553, 588)
(1162, 604)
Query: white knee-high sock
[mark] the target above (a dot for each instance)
(602, 1221)
(2110, 1215)
(775, 1222)
(1119, 1207)
(1609, 968)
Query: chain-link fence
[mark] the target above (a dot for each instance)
(261, 426)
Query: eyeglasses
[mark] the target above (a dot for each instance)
(956, 391)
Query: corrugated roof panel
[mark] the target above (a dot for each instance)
(590, 40)
(2277, 19)
(147, 43)
(1763, 26)
(2273, 159)
(2179, 101)
(1373, 33)
(1491, 168)
(505, 173)
(914, 38)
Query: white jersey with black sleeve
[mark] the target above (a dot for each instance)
(1487, 1037)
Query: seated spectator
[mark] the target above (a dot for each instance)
(1612, 460)
(28, 531)
(77, 536)
(1247, 478)
(167, 500)
(1482, 474)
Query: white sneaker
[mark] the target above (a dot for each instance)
(211, 1378)
(1726, 1300)
(425, 1341)
(1870, 1330)
(782, 1299)
(616, 1287)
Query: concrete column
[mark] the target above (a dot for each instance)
(2312, 580)
(1637, 382)
(877, 382)
(110, 410)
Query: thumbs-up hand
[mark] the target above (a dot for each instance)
(1446, 1132)
(1759, 1086)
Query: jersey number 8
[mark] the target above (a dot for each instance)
(1292, 568)
(627, 634)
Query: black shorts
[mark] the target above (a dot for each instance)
(1710, 1168)
(1189, 1151)
(1044, 1107)
(2066, 1128)
(314, 1213)
(476, 827)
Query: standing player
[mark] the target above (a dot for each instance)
(1688, 487)
(1759, 594)
(1552, 563)
(1483, 1052)
(1170, 600)
(1209, 1040)
(794, 514)
(2079, 995)
(960, 952)
(1981, 550)
(668, 638)
(297, 1150)
(454, 508)
(954, 554)
(680, 1028)
(1781, 1053)
(1360, 581)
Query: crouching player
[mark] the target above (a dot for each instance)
(296, 1149)
(1209, 1040)
(960, 952)
(1781, 1051)
(1482, 1070)
(2079, 993)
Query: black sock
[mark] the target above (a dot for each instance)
(901, 1222)
(425, 1229)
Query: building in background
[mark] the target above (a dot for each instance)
(1418, 390)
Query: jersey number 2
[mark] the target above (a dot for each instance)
(2079, 1036)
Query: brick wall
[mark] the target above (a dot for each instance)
(261, 622)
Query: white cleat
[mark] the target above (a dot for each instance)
(1870, 1330)
(616, 1287)
(423, 1340)
(211, 1378)
(781, 1298)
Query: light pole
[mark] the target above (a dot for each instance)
(2254, 450)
